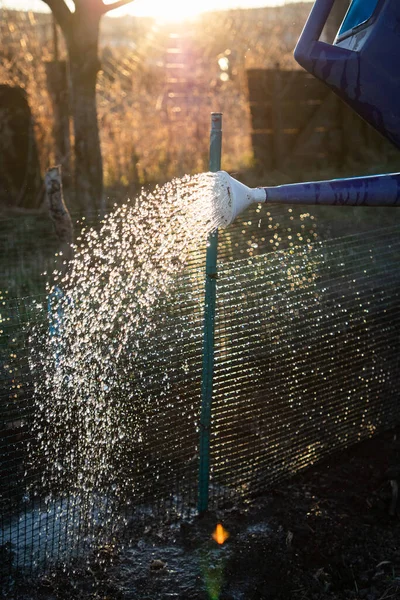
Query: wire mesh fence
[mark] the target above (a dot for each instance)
(307, 350)
(307, 359)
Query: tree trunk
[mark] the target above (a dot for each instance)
(84, 65)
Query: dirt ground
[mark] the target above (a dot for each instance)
(325, 534)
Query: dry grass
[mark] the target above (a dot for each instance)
(24, 50)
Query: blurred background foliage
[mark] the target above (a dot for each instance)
(158, 84)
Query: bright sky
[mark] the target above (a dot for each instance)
(163, 9)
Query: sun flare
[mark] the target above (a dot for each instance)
(173, 11)
(220, 534)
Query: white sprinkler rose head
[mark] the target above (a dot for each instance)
(233, 197)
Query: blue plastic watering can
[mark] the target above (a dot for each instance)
(362, 66)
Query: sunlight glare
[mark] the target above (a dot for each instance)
(173, 11)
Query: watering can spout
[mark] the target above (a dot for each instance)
(232, 197)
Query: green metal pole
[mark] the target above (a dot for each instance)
(208, 333)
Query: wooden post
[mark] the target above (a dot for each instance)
(57, 83)
(60, 216)
(277, 121)
(55, 39)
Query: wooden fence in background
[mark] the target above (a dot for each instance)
(298, 122)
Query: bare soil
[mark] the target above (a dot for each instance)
(325, 534)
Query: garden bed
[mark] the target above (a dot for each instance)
(325, 534)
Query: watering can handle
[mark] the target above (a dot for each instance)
(309, 49)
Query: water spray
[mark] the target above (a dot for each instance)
(231, 197)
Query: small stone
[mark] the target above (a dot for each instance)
(157, 564)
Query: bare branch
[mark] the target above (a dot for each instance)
(61, 12)
(117, 4)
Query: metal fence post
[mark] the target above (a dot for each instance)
(208, 333)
